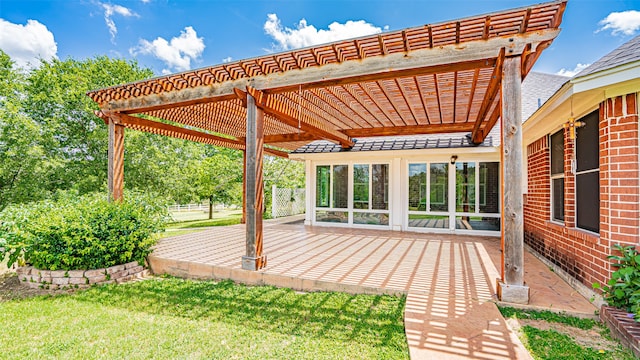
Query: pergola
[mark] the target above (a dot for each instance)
(455, 76)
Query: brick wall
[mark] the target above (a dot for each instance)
(619, 198)
(581, 254)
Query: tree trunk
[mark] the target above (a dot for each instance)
(210, 207)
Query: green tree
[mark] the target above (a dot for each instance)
(219, 178)
(72, 136)
(22, 161)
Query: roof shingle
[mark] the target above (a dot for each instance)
(628, 52)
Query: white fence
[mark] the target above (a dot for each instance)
(195, 207)
(286, 202)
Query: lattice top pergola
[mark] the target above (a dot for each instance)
(435, 78)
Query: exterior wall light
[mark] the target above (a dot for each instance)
(453, 159)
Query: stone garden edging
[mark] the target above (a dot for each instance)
(79, 279)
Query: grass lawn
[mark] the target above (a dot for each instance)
(182, 216)
(549, 335)
(222, 218)
(173, 318)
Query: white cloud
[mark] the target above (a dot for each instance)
(571, 73)
(227, 59)
(625, 22)
(27, 43)
(177, 53)
(109, 11)
(307, 35)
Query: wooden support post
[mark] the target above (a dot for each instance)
(243, 220)
(115, 159)
(511, 288)
(254, 187)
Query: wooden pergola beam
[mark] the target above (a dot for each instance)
(447, 58)
(489, 97)
(175, 98)
(284, 113)
(155, 127)
(409, 130)
(132, 121)
(454, 57)
(291, 137)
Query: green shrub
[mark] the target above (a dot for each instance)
(623, 289)
(85, 232)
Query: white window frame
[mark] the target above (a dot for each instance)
(553, 177)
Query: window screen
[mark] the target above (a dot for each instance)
(588, 205)
(558, 199)
(588, 174)
(587, 144)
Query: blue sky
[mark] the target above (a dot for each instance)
(171, 36)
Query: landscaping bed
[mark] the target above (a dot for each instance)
(62, 279)
(552, 336)
(623, 327)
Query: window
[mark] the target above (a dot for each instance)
(360, 186)
(340, 187)
(465, 187)
(380, 186)
(489, 189)
(439, 187)
(588, 174)
(331, 186)
(417, 187)
(371, 194)
(464, 196)
(323, 178)
(557, 176)
(368, 186)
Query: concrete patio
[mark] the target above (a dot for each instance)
(449, 280)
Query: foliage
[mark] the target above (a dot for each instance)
(159, 319)
(81, 232)
(51, 140)
(21, 168)
(74, 139)
(218, 177)
(623, 289)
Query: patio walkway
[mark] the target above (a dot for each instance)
(449, 280)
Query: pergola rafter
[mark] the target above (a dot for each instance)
(454, 76)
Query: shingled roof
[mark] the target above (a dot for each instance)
(627, 53)
(413, 142)
(537, 88)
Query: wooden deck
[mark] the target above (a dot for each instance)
(449, 280)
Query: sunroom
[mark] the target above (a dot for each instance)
(438, 183)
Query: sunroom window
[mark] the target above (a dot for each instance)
(332, 193)
(371, 194)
